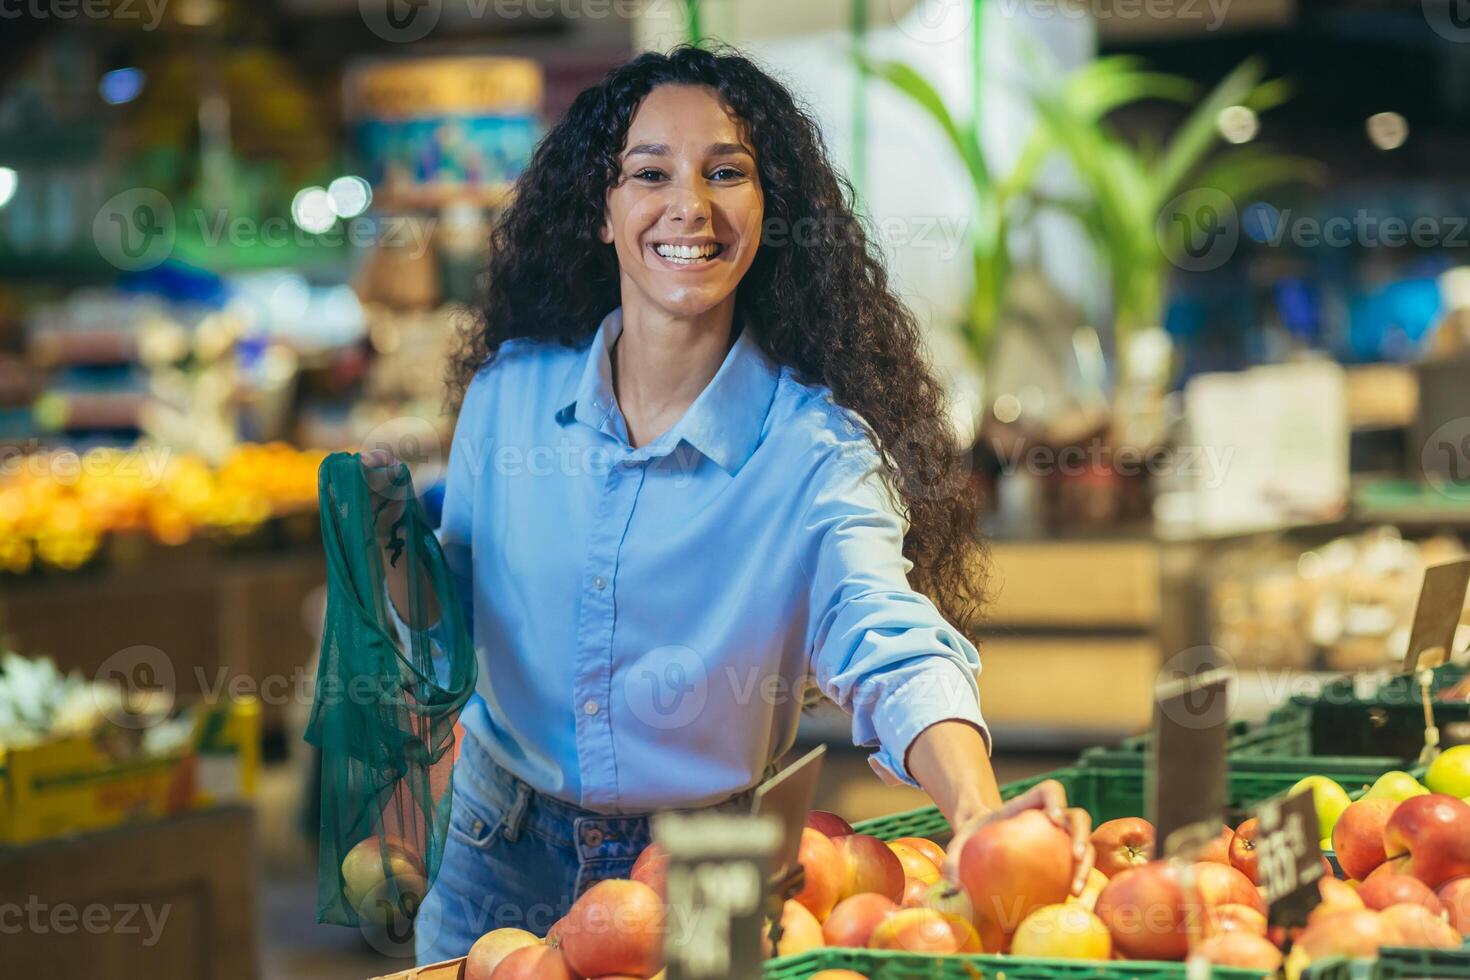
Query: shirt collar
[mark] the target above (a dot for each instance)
(724, 423)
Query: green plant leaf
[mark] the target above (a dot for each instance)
(919, 89)
(1198, 133)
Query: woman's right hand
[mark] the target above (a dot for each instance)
(378, 466)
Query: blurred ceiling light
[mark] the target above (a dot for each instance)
(121, 86)
(312, 210)
(349, 196)
(197, 13)
(1388, 130)
(8, 181)
(1007, 408)
(1238, 123)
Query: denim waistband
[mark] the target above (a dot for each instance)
(524, 808)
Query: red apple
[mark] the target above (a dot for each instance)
(924, 846)
(1123, 843)
(651, 868)
(1217, 851)
(828, 823)
(1358, 836)
(1352, 933)
(1419, 926)
(868, 865)
(1230, 917)
(1455, 896)
(1242, 951)
(1434, 830)
(915, 893)
(1147, 912)
(1243, 854)
(533, 963)
(617, 926)
(1014, 866)
(821, 870)
(853, 920)
(915, 864)
(917, 931)
(1386, 890)
(1393, 866)
(1337, 894)
(487, 952)
(1222, 884)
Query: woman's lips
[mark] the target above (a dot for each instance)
(686, 262)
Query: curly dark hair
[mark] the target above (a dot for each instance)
(819, 301)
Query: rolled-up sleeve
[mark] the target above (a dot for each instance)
(879, 649)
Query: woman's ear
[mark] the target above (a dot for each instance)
(606, 232)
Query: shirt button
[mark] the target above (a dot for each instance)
(599, 583)
(590, 707)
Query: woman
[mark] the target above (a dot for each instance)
(666, 508)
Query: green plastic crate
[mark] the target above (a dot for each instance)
(1390, 722)
(885, 965)
(1288, 733)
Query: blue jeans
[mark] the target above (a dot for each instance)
(515, 857)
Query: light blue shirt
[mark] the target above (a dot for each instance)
(646, 619)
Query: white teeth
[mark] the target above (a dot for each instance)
(688, 254)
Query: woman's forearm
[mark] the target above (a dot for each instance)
(949, 760)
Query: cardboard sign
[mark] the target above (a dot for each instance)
(1186, 780)
(1441, 600)
(718, 866)
(788, 797)
(1289, 858)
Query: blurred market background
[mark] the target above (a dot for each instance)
(1197, 272)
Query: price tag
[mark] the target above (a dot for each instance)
(788, 797)
(718, 865)
(1442, 598)
(1289, 859)
(1186, 780)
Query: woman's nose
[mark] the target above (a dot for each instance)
(688, 205)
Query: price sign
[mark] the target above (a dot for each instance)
(1186, 780)
(1289, 859)
(788, 797)
(1432, 637)
(718, 864)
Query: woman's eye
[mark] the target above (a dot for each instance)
(728, 173)
(648, 173)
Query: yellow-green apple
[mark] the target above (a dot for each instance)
(1358, 836)
(1351, 933)
(1063, 931)
(926, 847)
(533, 963)
(1385, 890)
(800, 931)
(1123, 843)
(372, 862)
(1330, 800)
(1087, 898)
(1434, 831)
(915, 863)
(1241, 951)
(853, 920)
(1337, 896)
(868, 865)
(1395, 785)
(828, 823)
(1418, 926)
(1450, 773)
(1221, 884)
(487, 952)
(1012, 867)
(616, 926)
(1147, 913)
(1454, 895)
(821, 872)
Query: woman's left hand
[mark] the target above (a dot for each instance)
(1050, 797)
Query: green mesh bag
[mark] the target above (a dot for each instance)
(383, 716)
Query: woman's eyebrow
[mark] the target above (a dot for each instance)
(725, 149)
(648, 149)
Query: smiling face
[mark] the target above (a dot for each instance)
(685, 214)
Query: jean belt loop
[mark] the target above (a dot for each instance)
(516, 818)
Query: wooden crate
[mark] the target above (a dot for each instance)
(196, 873)
(448, 970)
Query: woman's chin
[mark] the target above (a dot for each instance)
(689, 303)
